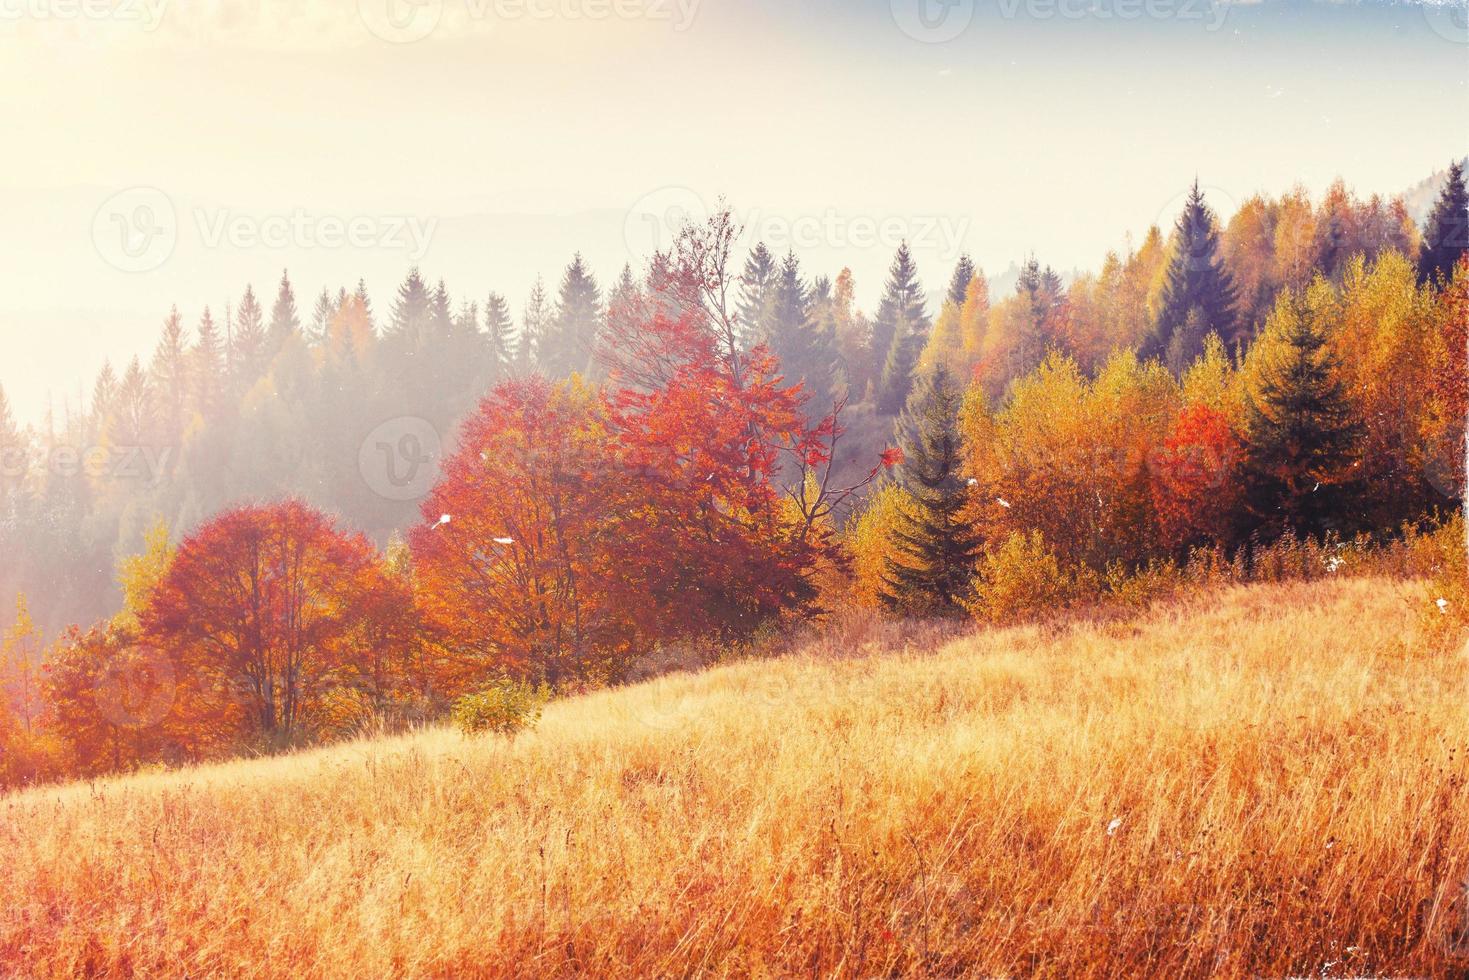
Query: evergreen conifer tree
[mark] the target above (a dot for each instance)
(899, 331)
(207, 367)
(756, 282)
(285, 323)
(959, 283)
(248, 354)
(1301, 435)
(1196, 279)
(1446, 234)
(575, 325)
(933, 570)
(499, 335)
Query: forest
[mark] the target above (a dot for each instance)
(297, 521)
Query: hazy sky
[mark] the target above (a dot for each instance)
(169, 152)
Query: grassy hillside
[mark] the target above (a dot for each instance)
(1272, 782)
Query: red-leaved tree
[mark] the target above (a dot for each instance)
(267, 604)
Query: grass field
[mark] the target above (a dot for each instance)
(1271, 782)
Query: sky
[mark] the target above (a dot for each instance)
(162, 152)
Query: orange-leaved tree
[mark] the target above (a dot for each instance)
(518, 564)
(265, 603)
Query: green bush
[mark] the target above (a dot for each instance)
(506, 708)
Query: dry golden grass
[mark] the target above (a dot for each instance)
(1287, 764)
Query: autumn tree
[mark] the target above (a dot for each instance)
(20, 668)
(263, 601)
(517, 561)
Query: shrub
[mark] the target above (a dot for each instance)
(1023, 579)
(505, 708)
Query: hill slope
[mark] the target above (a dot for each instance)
(1264, 783)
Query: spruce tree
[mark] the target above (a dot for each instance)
(285, 323)
(899, 331)
(366, 303)
(1446, 235)
(170, 377)
(499, 335)
(575, 325)
(208, 367)
(1302, 437)
(756, 282)
(535, 325)
(1196, 279)
(412, 313)
(321, 318)
(959, 283)
(248, 354)
(933, 571)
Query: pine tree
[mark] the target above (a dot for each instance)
(1446, 235)
(499, 335)
(574, 327)
(14, 464)
(170, 377)
(535, 324)
(1302, 437)
(103, 391)
(284, 321)
(208, 367)
(756, 282)
(412, 313)
(802, 331)
(899, 331)
(365, 303)
(441, 317)
(321, 318)
(130, 418)
(959, 283)
(933, 570)
(1196, 279)
(248, 354)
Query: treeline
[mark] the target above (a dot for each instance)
(1299, 371)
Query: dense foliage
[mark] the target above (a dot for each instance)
(671, 463)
